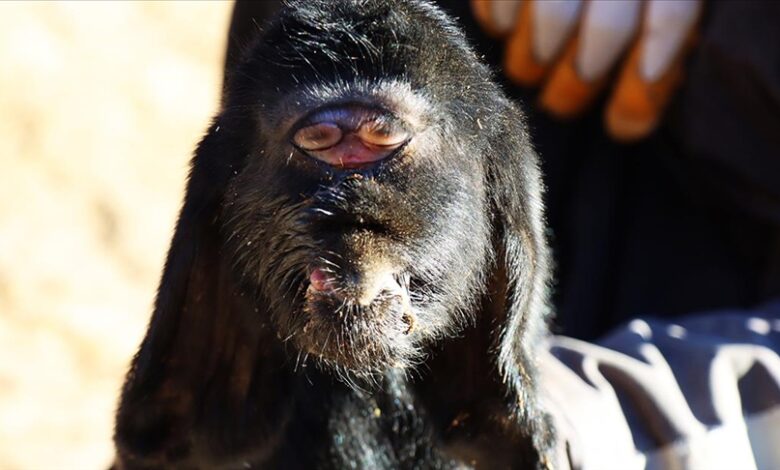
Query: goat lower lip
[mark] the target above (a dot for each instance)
(367, 290)
(320, 280)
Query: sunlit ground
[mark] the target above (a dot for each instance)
(101, 105)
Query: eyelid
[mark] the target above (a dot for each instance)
(350, 116)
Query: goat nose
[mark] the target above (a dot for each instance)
(350, 137)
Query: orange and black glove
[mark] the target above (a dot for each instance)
(572, 47)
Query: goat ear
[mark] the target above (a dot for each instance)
(522, 258)
(195, 302)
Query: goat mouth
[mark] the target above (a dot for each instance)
(337, 301)
(359, 334)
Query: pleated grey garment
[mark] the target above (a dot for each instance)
(702, 392)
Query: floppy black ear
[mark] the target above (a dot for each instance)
(195, 307)
(523, 264)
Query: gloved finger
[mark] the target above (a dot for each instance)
(540, 31)
(654, 68)
(606, 29)
(495, 17)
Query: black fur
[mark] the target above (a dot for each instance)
(242, 368)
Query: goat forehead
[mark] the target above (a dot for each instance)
(382, 38)
(357, 16)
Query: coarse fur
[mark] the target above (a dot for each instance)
(245, 366)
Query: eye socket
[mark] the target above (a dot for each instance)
(318, 136)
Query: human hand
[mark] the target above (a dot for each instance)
(572, 47)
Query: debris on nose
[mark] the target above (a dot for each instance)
(408, 320)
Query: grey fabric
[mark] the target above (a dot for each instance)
(702, 392)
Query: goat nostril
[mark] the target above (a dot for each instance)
(319, 136)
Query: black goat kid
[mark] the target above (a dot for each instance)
(359, 271)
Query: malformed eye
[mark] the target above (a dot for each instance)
(382, 135)
(350, 136)
(318, 136)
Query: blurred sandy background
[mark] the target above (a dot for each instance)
(101, 105)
